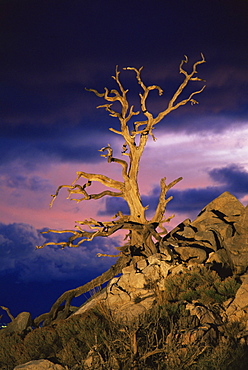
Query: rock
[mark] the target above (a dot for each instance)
(238, 309)
(237, 243)
(191, 255)
(96, 300)
(21, 323)
(133, 293)
(185, 338)
(220, 228)
(204, 314)
(220, 257)
(39, 365)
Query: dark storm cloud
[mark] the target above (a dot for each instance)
(234, 177)
(20, 257)
(52, 50)
(113, 205)
(36, 145)
(190, 201)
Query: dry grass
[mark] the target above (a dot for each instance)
(161, 339)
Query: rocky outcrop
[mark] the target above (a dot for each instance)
(133, 293)
(218, 235)
(39, 365)
(217, 238)
(238, 308)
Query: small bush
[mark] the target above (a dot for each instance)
(200, 284)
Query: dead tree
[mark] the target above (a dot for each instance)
(144, 236)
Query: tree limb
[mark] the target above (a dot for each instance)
(162, 202)
(67, 296)
(105, 180)
(110, 157)
(188, 77)
(78, 189)
(8, 312)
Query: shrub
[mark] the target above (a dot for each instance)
(200, 284)
(151, 342)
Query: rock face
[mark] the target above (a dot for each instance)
(39, 365)
(219, 234)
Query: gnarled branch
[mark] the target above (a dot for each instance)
(110, 157)
(79, 189)
(105, 180)
(8, 312)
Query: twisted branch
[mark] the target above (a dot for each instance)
(110, 157)
(79, 189)
(8, 312)
(67, 296)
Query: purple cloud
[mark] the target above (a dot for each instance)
(235, 177)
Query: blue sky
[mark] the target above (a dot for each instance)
(50, 51)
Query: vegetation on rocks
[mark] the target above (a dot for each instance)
(167, 337)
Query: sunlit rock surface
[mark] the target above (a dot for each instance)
(39, 365)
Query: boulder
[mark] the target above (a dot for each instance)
(192, 255)
(218, 235)
(204, 314)
(39, 365)
(22, 322)
(184, 338)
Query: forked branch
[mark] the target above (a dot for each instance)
(172, 105)
(81, 189)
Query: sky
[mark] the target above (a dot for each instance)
(50, 127)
